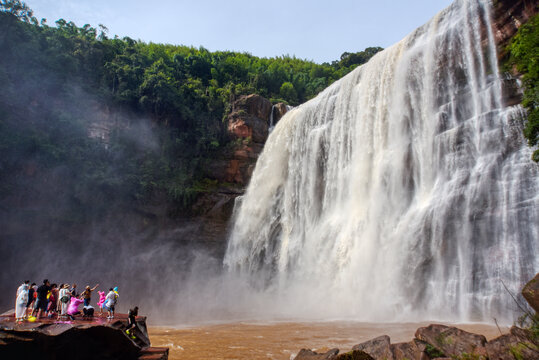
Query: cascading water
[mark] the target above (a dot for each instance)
(403, 191)
(272, 116)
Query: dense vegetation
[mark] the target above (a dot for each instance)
(524, 50)
(166, 104)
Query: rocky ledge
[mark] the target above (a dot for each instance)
(98, 338)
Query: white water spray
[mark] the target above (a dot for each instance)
(404, 191)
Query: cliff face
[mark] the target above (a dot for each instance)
(508, 16)
(248, 126)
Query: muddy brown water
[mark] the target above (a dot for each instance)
(283, 340)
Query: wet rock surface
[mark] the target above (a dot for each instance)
(96, 338)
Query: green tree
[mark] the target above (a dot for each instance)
(288, 92)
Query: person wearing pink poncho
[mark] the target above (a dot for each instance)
(101, 301)
(73, 307)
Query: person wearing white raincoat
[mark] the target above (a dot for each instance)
(22, 300)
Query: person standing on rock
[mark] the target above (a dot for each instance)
(73, 290)
(41, 299)
(131, 321)
(22, 300)
(31, 298)
(110, 303)
(53, 301)
(63, 299)
(87, 294)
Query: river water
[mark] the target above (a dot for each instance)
(283, 340)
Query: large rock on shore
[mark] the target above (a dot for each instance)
(515, 345)
(453, 341)
(378, 348)
(413, 350)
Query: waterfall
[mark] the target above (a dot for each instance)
(272, 116)
(403, 191)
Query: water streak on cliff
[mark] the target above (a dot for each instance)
(404, 190)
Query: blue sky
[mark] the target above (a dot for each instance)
(313, 30)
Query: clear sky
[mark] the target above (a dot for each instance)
(309, 29)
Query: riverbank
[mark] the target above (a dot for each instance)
(284, 340)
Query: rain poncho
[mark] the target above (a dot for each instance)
(22, 300)
(73, 307)
(101, 299)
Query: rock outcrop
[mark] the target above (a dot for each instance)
(508, 17)
(249, 118)
(277, 112)
(248, 127)
(98, 338)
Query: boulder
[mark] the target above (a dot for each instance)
(531, 293)
(378, 348)
(244, 126)
(452, 341)
(506, 346)
(254, 105)
(306, 354)
(413, 350)
(249, 118)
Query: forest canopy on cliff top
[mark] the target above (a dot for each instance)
(166, 104)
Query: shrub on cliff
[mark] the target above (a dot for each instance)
(524, 49)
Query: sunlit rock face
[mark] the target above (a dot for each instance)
(403, 191)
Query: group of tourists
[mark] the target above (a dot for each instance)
(34, 302)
